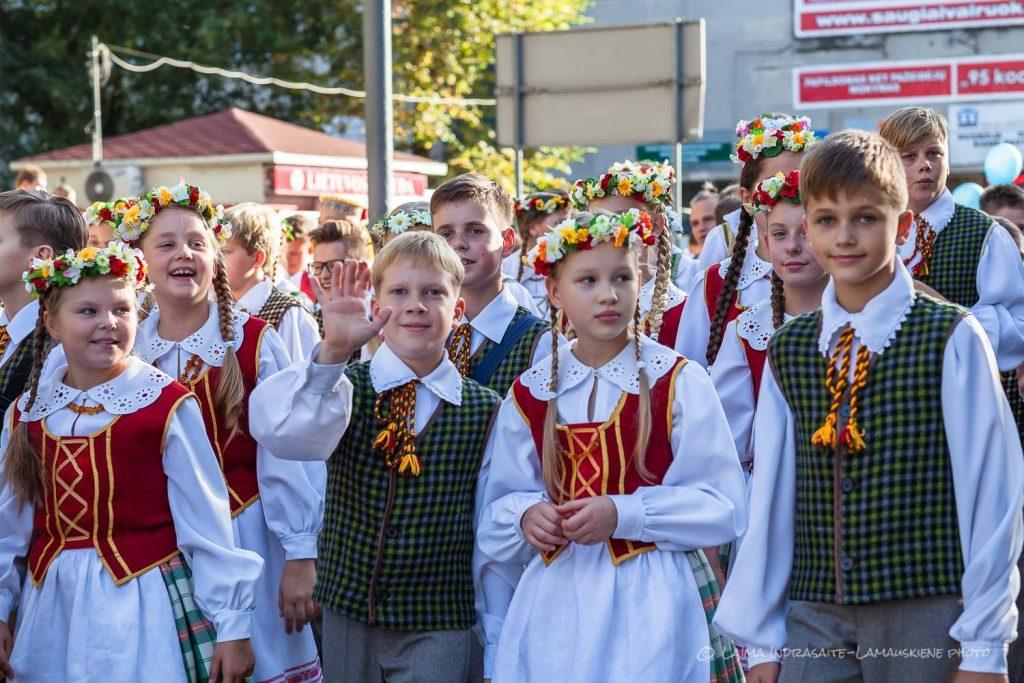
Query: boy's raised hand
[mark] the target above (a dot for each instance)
(346, 326)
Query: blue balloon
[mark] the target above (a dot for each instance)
(968, 194)
(1003, 164)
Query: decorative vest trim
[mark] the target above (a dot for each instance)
(107, 491)
(597, 457)
(236, 454)
(277, 304)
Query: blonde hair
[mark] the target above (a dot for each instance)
(257, 227)
(349, 233)
(911, 126)
(852, 162)
(552, 466)
(423, 246)
(479, 189)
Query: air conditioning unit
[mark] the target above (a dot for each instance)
(105, 184)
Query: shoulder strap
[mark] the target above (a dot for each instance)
(514, 333)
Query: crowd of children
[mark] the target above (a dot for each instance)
(522, 440)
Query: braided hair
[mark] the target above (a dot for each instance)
(778, 300)
(662, 278)
(230, 397)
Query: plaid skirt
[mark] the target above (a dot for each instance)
(196, 634)
(724, 661)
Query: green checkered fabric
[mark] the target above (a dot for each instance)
(196, 634)
(725, 662)
(414, 533)
(897, 525)
(518, 360)
(14, 373)
(278, 303)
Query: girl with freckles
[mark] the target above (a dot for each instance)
(612, 467)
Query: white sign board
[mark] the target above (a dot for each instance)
(601, 86)
(974, 129)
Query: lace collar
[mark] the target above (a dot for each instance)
(755, 326)
(388, 371)
(875, 326)
(675, 296)
(622, 371)
(754, 268)
(136, 387)
(23, 324)
(253, 301)
(495, 317)
(204, 342)
(939, 212)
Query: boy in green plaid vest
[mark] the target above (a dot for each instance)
(404, 436)
(886, 507)
(33, 224)
(498, 337)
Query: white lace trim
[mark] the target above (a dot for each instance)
(204, 342)
(939, 214)
(888, 317)
(137, 387)
(387, 371)
(756, 326)
(622, 371)
(754, 268)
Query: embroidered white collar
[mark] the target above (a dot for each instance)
(253, 301)
(875, 326)
(754, 268)
(136, 387)
(388, 371)
(204, 342)
(23, 323)
(495, 317)
(732, 219)
(675, 296)
(622, 371)
(755, 326)
(939, 212)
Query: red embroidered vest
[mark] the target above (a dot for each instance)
(107, 491)
(669, 325)
(236, 454)
(713, 284)
(755, 360)
(598, 456)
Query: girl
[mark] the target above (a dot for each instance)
(221, 353)
(408, 216)
(765, 146)
(589, 469)
(535, 215)
(797, 283)
(113, 499)
(648, 188)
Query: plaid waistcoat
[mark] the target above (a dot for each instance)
(396, 551)
(880, 524)
(276, 306)
(517, 361)
(14, 373)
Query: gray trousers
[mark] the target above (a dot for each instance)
(901, 640)
(356, 653)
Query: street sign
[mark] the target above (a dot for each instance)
(693, 152)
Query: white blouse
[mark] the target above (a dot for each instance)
(988, 480)
(714, 249)
(298, 330)
(493, 320)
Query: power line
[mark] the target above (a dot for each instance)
(108, 52)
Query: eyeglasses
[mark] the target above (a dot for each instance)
(317, 267)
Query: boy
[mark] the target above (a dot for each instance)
(250, 259)
(885, 517)
(30, 178)
(498, 339)
(1006, 201)
(33, 224)
(404, 435)
(335, 241)
(297, 253)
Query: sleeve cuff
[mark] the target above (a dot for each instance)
(299, 546)
(490, 652)
(7, 602)
(323, 379)
(631, 517)
(762, 655)
(983, 657)
(233, 625)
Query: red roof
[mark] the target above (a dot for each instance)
(234, 131)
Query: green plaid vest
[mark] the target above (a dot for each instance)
(891, 508)
(517, 361)
(276, 306)
(14, 373)
(396, 551)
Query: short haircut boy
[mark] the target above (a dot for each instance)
(853, 162)
(996, 197)
(32, 176)
(43, 218)
(348, 232)
(257, 228)
(911, 126)
(476, 188)
(422, 246)
(297, 226)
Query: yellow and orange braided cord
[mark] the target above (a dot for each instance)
(396, 409)
(836, 381)
(924, 243)
(459, 350)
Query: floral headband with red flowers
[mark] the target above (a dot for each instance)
(133, 221)
(629, 229)
(67, 270)
(781, 187)
(648, 183)
(534, 205)
(769, 135)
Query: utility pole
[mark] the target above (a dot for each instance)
(97, 116)
(378, 114)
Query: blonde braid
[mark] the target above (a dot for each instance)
(662, 277)
(230, 398)
(643, 413)
(551, 462)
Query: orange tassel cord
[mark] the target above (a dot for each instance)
(852, 436)
(396, 408)
(459, 349)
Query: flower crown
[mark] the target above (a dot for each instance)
(400, 221)
(628, 229)
(770, 135)
(651, 183)
(106, 212)
(770, 191)
(541, 206)
(133, 221)
(117, 259)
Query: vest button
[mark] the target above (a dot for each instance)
(392, 531)
(844, 410)
(846, 485)
(846, 563)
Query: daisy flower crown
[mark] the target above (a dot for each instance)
(401, 221)
(67, 270)
(106, 212)
(649, 183)
(541, 206)
(781, 187)
(131, 223)
(770, 135)
(629, 230)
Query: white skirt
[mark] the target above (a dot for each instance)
(585, 619)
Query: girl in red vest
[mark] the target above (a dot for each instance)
(220, 352)
(765, 146)
(610, 467)
(797, 283)
(113, 501)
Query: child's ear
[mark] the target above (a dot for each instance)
(260, 258)
(50, 328)
(43, 251)
(460, 309)
(553, 294)
(906, 221)
(508, 242)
